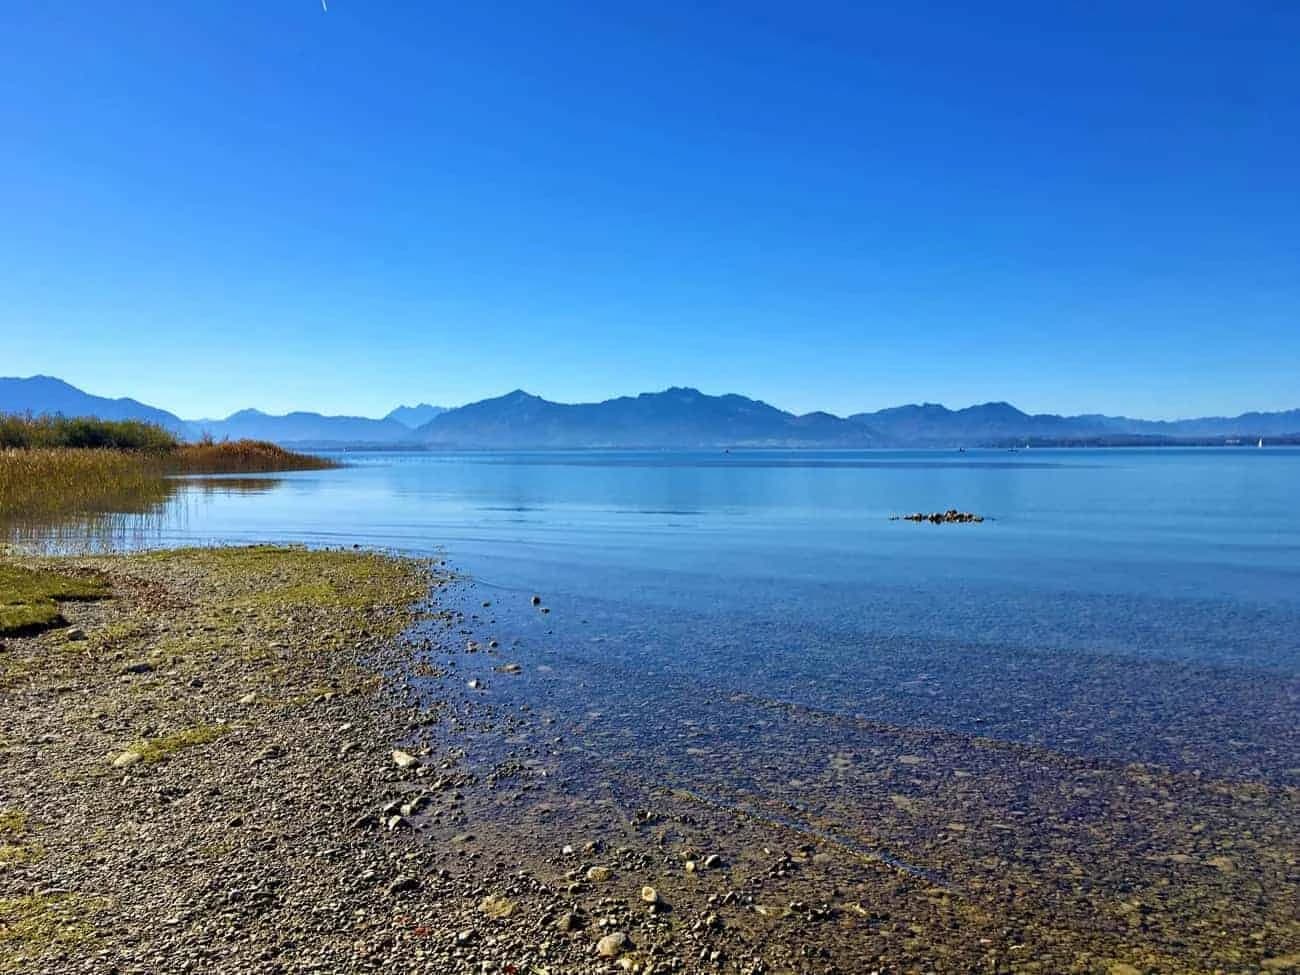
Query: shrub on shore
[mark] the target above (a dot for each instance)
(27, 432)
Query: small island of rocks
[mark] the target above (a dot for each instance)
(951, 516)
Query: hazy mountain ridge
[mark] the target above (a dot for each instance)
(303, 427)
(48, 395)
(676, 417)
(683, 417)
(415, 416)
(933, 424)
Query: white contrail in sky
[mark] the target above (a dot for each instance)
(323, 7)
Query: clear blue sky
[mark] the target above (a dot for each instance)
(1075, 206)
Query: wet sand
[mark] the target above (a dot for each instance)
(266, 826)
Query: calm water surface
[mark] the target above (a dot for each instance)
(1125, 604)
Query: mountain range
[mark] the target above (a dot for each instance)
(301, 427)
(677, 417)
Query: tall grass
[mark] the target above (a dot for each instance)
(48, 481)
(53, 467)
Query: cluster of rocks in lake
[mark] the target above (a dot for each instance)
(950, 517)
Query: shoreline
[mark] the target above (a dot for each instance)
(265, 825)
(210, 767)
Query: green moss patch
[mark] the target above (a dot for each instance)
(13, 827)
(260, 583)
(157, 749)
(29, 599)
(12, 823)
(33, 925)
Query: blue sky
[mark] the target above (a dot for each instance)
(1072, 206)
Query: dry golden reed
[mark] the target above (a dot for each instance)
(52, 466)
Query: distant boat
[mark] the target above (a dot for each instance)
(1261, 442)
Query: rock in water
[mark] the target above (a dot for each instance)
(404, 759)
(949, 517)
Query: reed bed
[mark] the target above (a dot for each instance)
(241, 457)
(55, 467)
(45, 482)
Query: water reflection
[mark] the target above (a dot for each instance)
(210, 484)
(136, 519)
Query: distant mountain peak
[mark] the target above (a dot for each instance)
(41, 379)
(415, 416)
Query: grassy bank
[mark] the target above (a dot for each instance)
(29, 599)
(191, 668)
(56, 466)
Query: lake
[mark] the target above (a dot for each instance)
(1136, 605)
